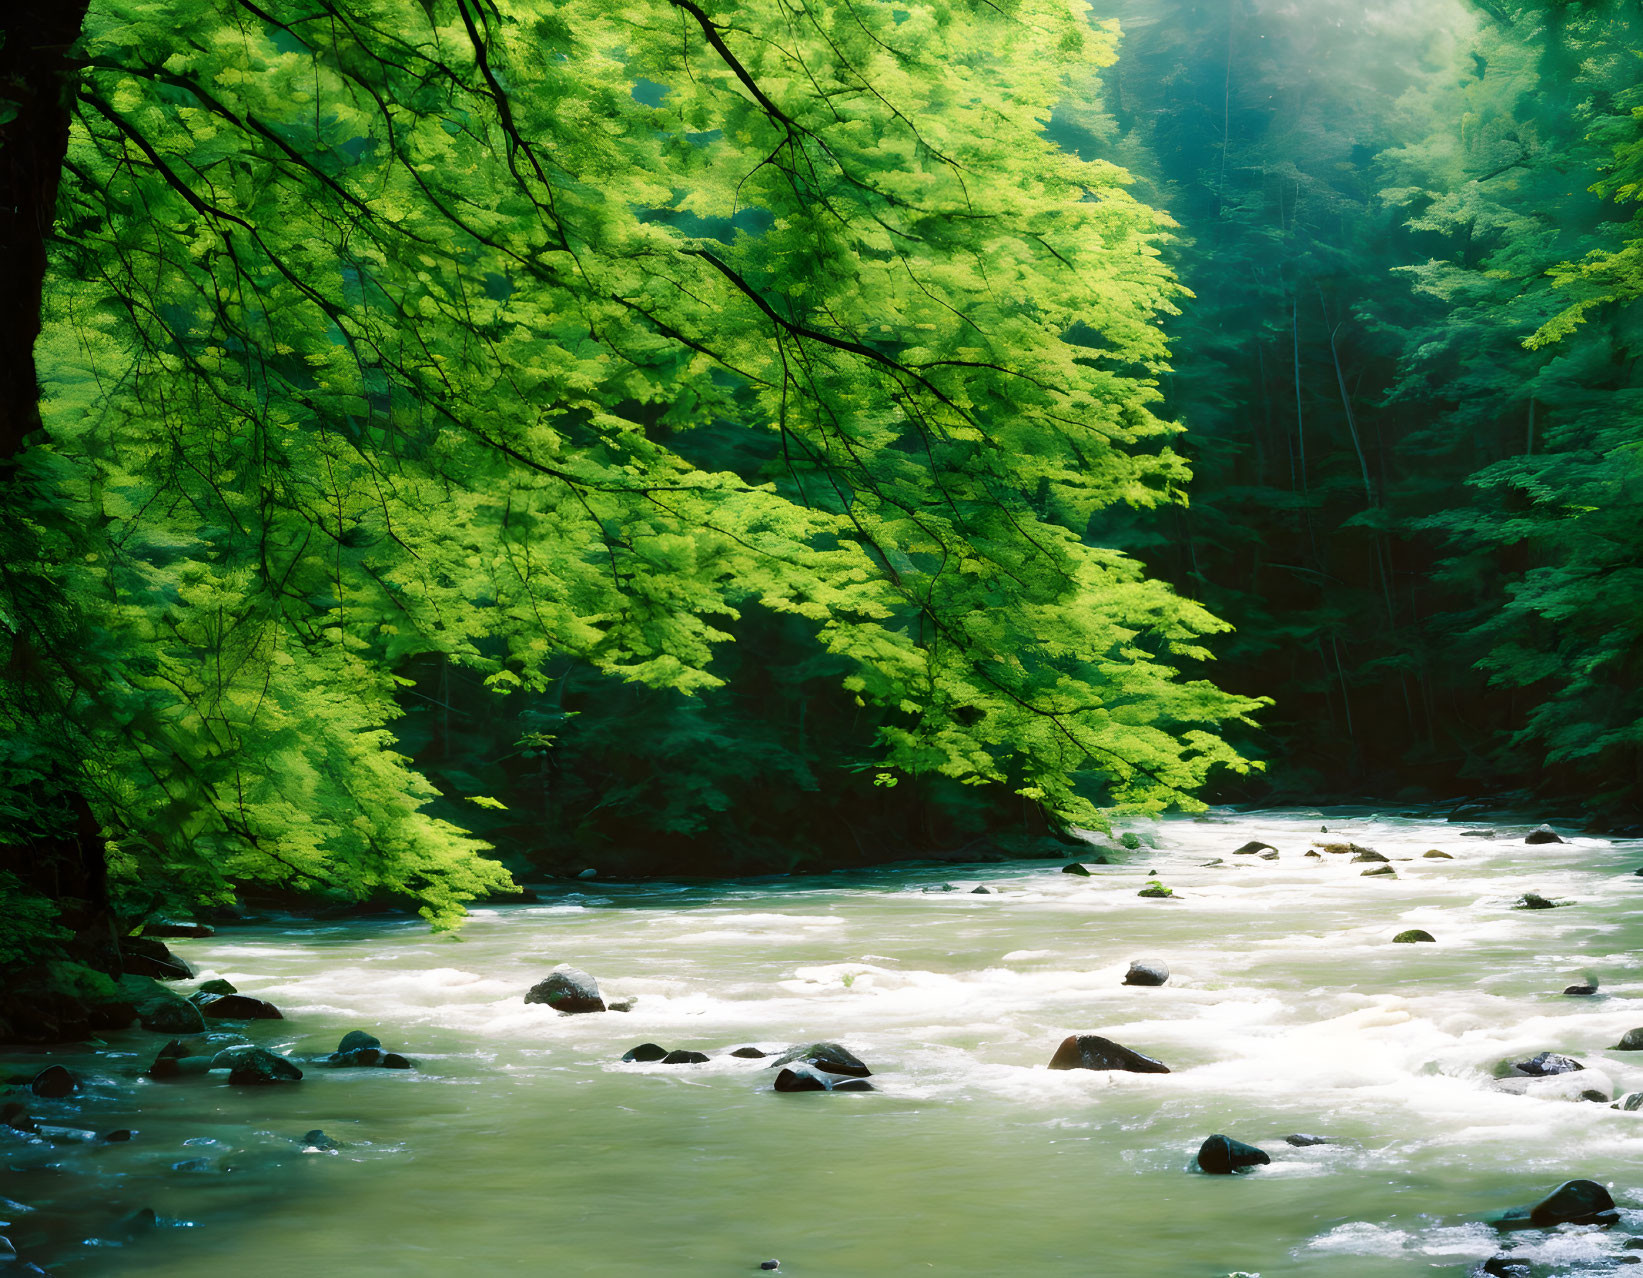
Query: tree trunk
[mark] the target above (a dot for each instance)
(37, 74)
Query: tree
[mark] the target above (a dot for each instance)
(376, 338)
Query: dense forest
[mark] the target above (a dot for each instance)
(513, 437)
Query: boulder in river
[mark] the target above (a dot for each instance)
(682, 1057)
(1534, 901)
(750, 1053)
(1413, 936)
(1631, 1101)
(980, 891)
(236, 1007)
(216, 986)
(1542, 834)
(1378, 870)
(1369, 854)
(1302, 1140)
(645, 1052)
(1157, 890)
(1221, 1156)
(1434, 854)
(802, 1078)
(159, 1009)
(1584, 988)
(142, 956)
(1270, 856)
(1252, 847)
(1477, 834)
(260, 1067)
(1630, 1041)
(53, 1083)
(567, 989)
(1574, 1202)
(1547, 1063)
(353, 1040)
(1504, 1265)
(830, 1058)
(1075, 868)
(1146, 972)
(317, 1139)
(1091, 1051)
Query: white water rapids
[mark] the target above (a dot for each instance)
(523, 1146)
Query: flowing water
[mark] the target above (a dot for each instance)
(523, 1146)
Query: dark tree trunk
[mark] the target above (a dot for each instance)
(55, 848)
(37, 77)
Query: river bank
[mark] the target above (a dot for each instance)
(522, 1140)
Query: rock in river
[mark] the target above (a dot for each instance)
(567, 989)
(1542, 834)
(1252, 847)
(645, 1052)
(1630, 1041)
(747, 1054)
(830, 1058)
(258, 1066)
(1574, 1202)
(1146, 972)
(1369, 854)
(236, 1007)
(1302, 1139)
(1547, 1063)
(1091, 1051)
(1380, 869)
(1534, 901)
(1221, 1156)
(1413, 936)
(54, 1082)
(1434, 854)
(1075, 868)
(683, 1057)
(805, 1079)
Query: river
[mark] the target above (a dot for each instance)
(523, 1146)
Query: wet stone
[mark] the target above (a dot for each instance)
(1630, 1041)
(830, 1058)
(569, 990)
(1302, 1140)
(1075, 868)
(1542, 834)
(681, 1056)
(1413, 936)
(53, 1083)
(1091, 1051)
(1252, 847)
(1546, 1064)
(1380, 870)
(1574, 1202)
(216, 986)
(317, 1139)
(1433, 854)
(1221, 1156)
(1580, 990)
(749, 1054)
(1146, 972)
(645, 1052)
(236, 1007)
(1534, 901)
(258, 1067)
(353, 1040)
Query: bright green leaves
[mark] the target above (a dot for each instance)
(374, 338)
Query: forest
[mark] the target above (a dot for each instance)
(452, 443)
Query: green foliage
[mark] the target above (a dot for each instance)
(382, 337)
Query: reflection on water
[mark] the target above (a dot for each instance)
(523, 1145)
